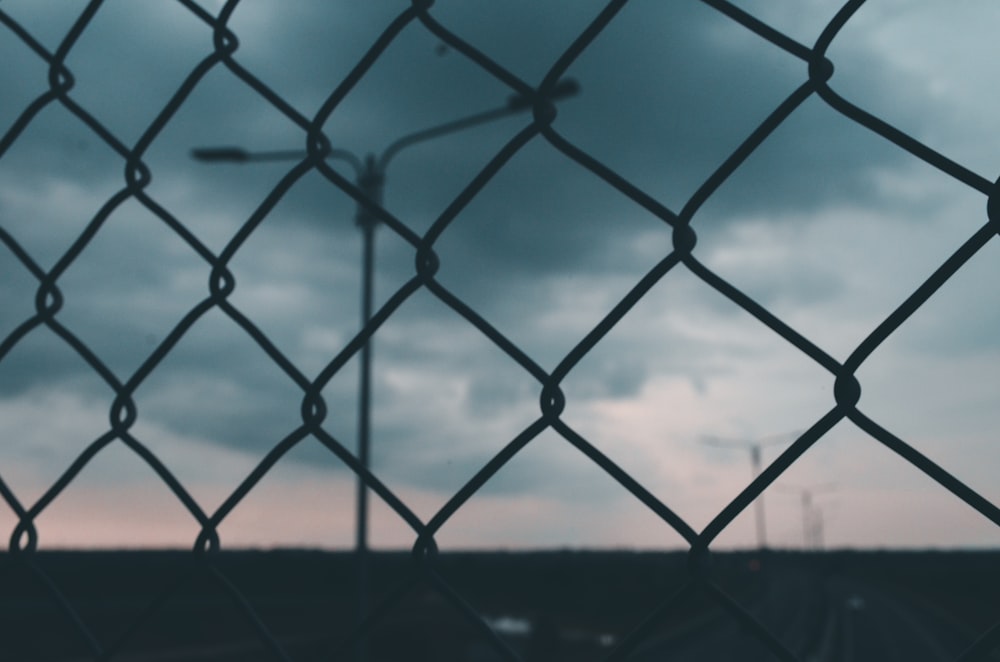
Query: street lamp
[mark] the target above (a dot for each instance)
(370, 179)
(812, 516)
(754, 446)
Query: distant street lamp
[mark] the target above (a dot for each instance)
(812, 516)
(754, 446)
(370, 179)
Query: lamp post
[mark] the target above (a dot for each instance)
(754, 446)
(370, 179)
(812, 516)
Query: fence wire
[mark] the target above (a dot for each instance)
(818, 71)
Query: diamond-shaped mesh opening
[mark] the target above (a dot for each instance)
(646, 411)
(515, 253)
(282, 270)
(184, 382)
(496, 516)
(116, 291)
(70, 421)
(221, 110)
(951, 113)
(928, 383)
(305, 500)
(848, 476)
(666, 142)
(46, 215)
(90, 505)
(111, 65)
(313, 30)
(443, 428)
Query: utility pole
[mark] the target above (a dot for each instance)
(370, 179)
(812, 516)
(754, 446)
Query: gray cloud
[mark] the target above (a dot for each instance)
(664, 100)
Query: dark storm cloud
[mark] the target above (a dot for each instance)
(668, 90)
(679, 90)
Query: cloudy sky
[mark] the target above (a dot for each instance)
(827, 225)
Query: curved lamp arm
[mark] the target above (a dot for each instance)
(515, 104)
(227, 154)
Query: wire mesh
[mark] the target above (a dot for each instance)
(818, 70)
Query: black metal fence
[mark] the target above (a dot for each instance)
(818, 71)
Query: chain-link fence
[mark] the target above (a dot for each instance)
(540, 103)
